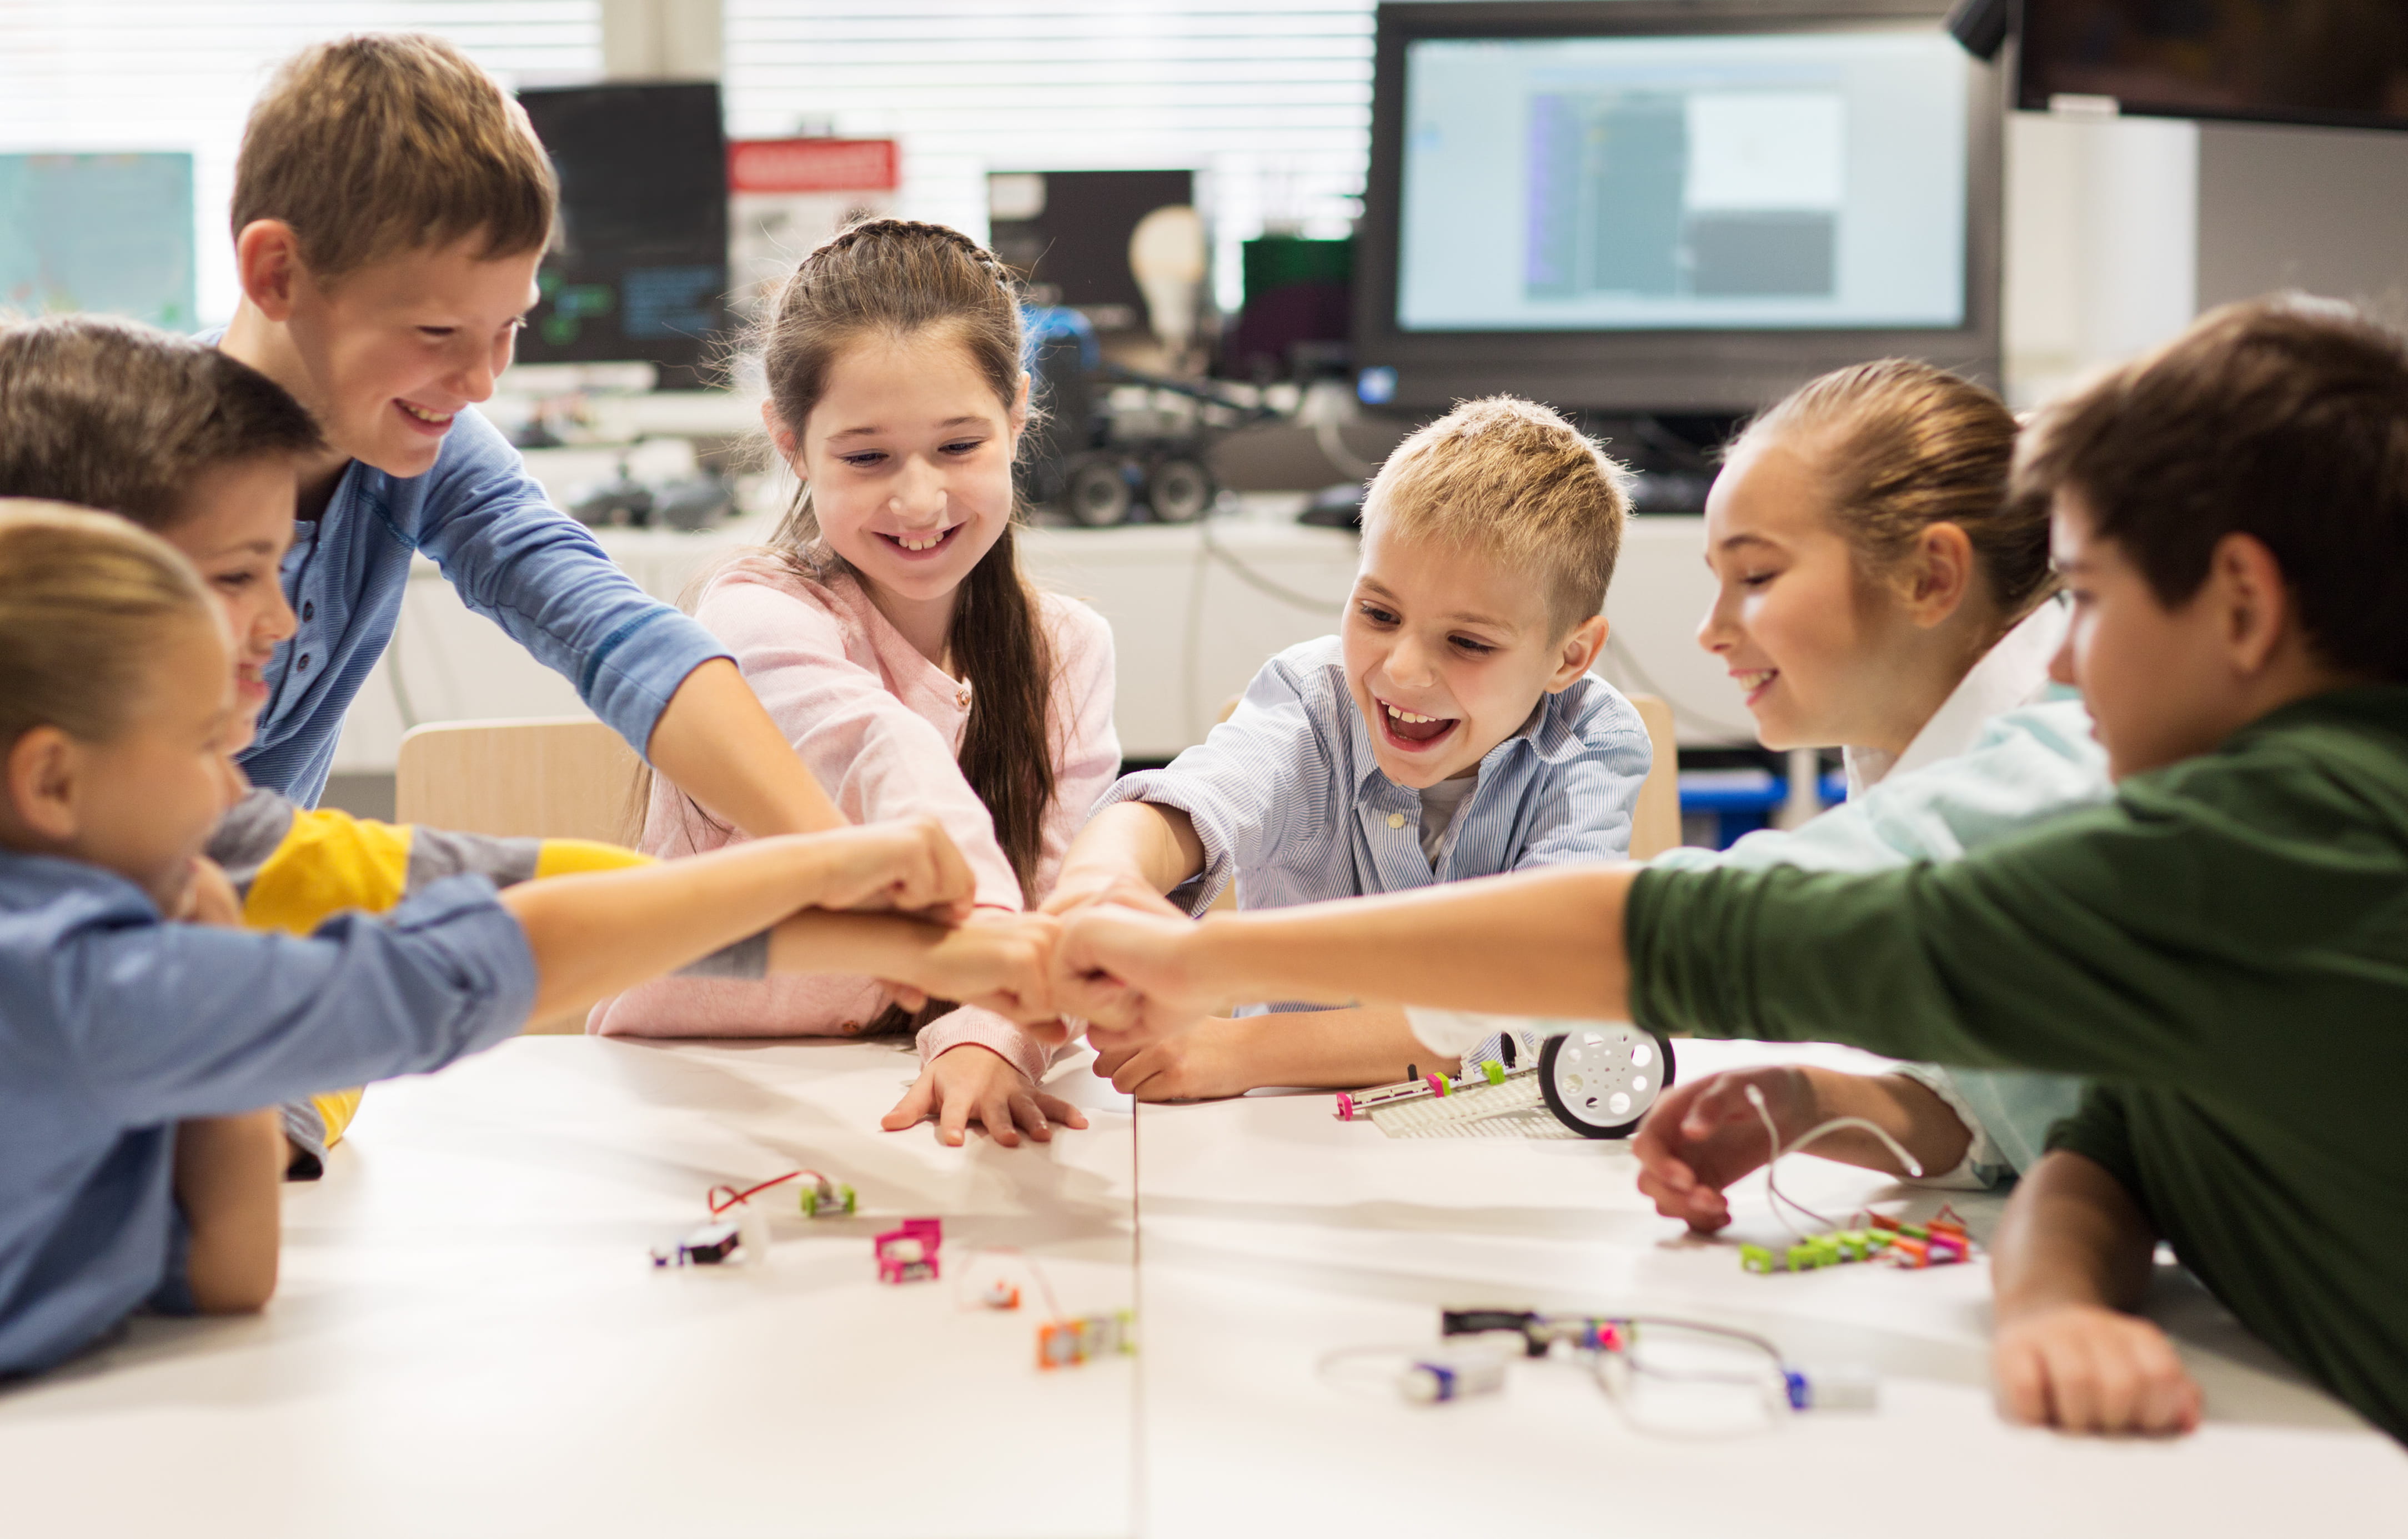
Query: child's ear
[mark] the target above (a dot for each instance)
(781, 437)
(268, 260)
(1020, 409)
(1939, 573)
(2247, 582)
(1578, 653)
(40, 775)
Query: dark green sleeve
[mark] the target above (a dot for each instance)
(2109, 943)
(2098, 1131)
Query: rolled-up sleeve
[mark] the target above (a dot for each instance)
(181, 1020)
(544, 578)
(1259, 781)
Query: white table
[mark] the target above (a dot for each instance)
(1275, 1234)
(469, 1339)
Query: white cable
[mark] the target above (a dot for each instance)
(1772, 1137)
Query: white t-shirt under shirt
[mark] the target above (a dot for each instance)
(1440, 803)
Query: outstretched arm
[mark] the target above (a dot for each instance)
(1131, 853)
(1534, 944)
(2069, 1264)
(595, 934)
(720, 746)
(1228, 1055)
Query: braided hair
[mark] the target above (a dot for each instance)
(899, 278)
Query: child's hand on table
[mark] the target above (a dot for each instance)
(2085, 1368)
(1204, 1062)
(1702, 1135)
(972, 1084)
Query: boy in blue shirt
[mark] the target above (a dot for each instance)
(1450, 731)
(390, 207)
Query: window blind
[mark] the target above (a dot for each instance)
(100, 75)
(1269, 102)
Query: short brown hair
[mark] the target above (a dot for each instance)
(391, 142)
(2285, 419)
(120, 416)
(1513, 482)
(87, 603)
(1909, 446)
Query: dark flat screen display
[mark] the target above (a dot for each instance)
(638, 271)
(2342, 63)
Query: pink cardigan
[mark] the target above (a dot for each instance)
(879, 726)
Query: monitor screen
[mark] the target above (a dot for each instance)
(2339, 62)
(1734, 182)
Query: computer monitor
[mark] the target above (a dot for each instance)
(1631, 206)
(2343, 64)
(638, 268)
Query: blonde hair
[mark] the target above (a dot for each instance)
(1909, 446)
(1514, 482)
(88, 603)
(384, 143)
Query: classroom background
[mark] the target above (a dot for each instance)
(1261, 240)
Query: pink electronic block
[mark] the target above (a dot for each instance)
(909, 1254)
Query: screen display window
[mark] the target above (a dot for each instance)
(1728, 183)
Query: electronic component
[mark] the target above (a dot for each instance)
(1436, 1378)
(1629, 1345)
(709, 1245)
(826, 1199)
(1067, 1343)
(909, 1254)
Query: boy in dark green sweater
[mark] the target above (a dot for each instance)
(2223, 950)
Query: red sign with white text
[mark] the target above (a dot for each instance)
(813, 165)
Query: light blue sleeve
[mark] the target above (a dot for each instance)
(2028, 766)
(1580, 810)
(1260, 783)
(165, 1021)
(543, 578)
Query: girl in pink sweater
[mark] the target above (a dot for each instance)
(889, 632)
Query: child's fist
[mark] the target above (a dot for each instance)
(1702, 1135)
(1127, 972)
(997, 960)
(1076, 889)
(908, 864)
(2085, 1368)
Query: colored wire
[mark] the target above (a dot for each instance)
(1772, 1135)
(734, 1197)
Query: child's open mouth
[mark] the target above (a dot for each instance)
(919, 547)
(431, 423)
(1410, 730)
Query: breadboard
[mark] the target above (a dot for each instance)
(1512, 1110)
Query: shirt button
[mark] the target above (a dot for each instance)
(303, 667)
(308, 609)
(850, 1026)
(961, 698)
(1396, 820)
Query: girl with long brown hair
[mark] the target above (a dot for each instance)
(889, 632)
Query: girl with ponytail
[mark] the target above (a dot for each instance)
(889, 632)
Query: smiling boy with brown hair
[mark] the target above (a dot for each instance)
(390, 207)
(2223, 949)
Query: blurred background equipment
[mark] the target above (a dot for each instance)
(638, 268)
(1068, 233)
(784, 196)
(1167, 254)
(2342, 63)
(107, 233)
(1298, 306)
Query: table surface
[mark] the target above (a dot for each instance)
(470, 1339)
